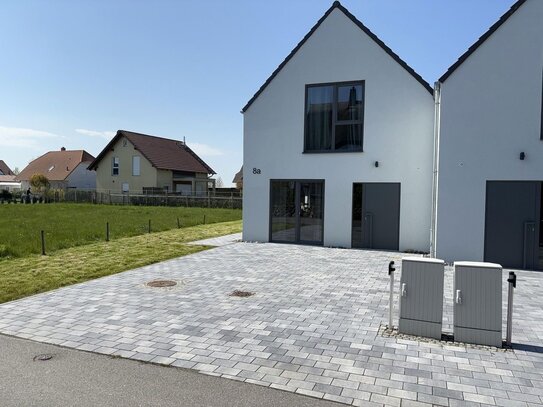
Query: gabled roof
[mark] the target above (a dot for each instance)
(55, 165)
(481, 40)
(162, 153)
(239, 176)
(365, 29)
(4, 169)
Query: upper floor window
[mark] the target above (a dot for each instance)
(136, 165)
(334, 117)
(115, 166)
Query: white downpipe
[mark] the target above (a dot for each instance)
(435, 177)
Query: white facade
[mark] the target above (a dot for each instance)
(491, 111)
(398, 133)
(81, 177)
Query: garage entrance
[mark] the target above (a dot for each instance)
(376, 216)
(512, 224)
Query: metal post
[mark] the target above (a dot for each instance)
(43, 243)
(391, 270)
(178, 223)
(512, 280)
(149, 225)
(204, 219)
(107, 231)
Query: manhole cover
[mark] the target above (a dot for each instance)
(42, 358)
(161, 283)
(239, 293)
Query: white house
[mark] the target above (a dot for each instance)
(338, 145)
(491, 145)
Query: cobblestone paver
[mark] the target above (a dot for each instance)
(312, 327)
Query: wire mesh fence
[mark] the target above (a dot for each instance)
(227, 200)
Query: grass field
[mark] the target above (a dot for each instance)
(20, 277)
(71, 225)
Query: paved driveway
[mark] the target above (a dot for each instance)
(312, 327)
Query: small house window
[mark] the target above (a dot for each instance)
(125, 186)
(334, 117)
(136, 165)
(115, 166)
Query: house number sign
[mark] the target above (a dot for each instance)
(257, 171)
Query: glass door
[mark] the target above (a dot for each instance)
(311, 212)
(297, 211)
(283, 211)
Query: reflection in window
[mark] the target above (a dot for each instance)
(334, 117)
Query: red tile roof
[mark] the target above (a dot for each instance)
(55, 165)
(4, 169)
(162, 153)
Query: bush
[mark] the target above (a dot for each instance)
(5, 195)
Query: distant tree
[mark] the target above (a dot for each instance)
(39, 183)
(219, 183)
(16, 171)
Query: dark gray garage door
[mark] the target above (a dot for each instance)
(376, 216)
(512, 223)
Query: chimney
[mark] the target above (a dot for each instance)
(62, 148)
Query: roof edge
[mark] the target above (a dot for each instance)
(360, 25)
(481, 40)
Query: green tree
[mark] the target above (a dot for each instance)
(39, 183)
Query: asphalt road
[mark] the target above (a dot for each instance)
(76, 378)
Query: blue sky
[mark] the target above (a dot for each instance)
(73, 72)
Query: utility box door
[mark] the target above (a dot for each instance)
(421, 296)
(478, 304)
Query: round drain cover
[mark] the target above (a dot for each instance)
(42, 358)
(161, 283)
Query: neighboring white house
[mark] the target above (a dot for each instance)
(338, 145)
(491, 145)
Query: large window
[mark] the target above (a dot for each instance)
(115, 166)
(297, 211)
(334, 117)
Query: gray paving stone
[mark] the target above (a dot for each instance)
(311, 330)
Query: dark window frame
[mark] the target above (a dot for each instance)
(335, 122)
(298, 182)
(541, 117)
(113, 167)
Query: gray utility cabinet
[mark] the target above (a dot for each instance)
(477, 298)
(421, 297)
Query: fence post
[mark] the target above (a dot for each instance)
(42, 243)
(107, 231)
(149, 225)
(204, 219)
(178, 224)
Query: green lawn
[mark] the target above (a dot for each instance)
(20, 277)
(70, 225)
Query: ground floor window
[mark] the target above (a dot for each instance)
(297, 211)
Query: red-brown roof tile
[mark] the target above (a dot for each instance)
(55, 165)
(162, 153)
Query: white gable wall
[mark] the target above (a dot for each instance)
(81, 177)
(490, 112)
(398, 132)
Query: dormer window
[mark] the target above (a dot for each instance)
(334, 117)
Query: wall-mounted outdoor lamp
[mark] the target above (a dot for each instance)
(522, 156)
(376, 164)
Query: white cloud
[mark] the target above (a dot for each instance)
(24, 138)
(108, 135)
(205, 150)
